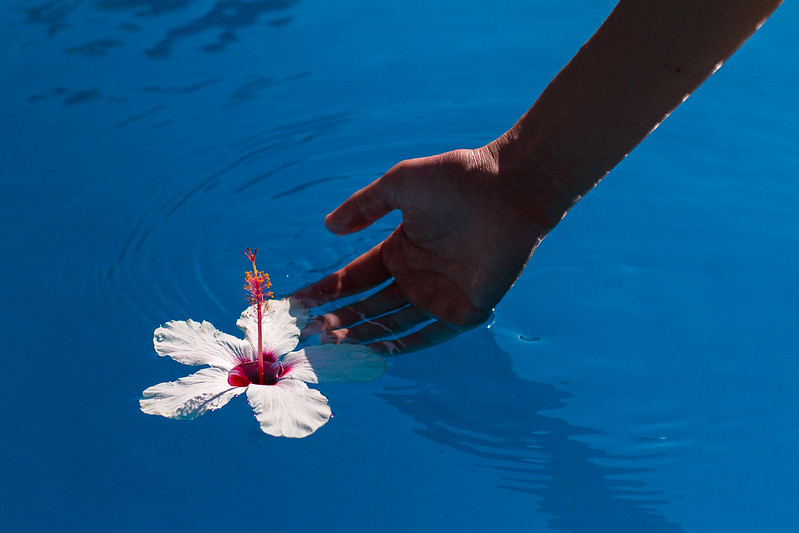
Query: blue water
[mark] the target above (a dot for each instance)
(640, 376)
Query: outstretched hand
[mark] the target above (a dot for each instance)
(471, 218)
(464, 239)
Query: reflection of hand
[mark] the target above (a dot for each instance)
(463, 241)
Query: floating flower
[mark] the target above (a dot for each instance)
(262, 364)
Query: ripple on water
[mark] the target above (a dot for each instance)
(468, 398)
(183, 254)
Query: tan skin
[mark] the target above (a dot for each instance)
(472, 218)
(463, 241)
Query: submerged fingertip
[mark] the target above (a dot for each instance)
(314, 327)
(337, 337)
(334, 224)
(341, 229)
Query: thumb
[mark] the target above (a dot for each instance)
(362, 208)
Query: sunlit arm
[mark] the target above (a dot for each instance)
(645, 60)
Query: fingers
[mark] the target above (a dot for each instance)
(387, 325)
(362, 208)
(435, 333)
(391, 325)
(386, 313)
(384, 301)
(363, 273)
(367, 271)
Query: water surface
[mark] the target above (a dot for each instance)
(639, 376)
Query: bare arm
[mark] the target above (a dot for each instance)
(472, 218)
(644, 61)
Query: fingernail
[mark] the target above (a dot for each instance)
(313, 327)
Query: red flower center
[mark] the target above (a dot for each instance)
(247, 373)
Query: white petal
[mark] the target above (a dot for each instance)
(280, 331)
(298, 367)
(288, 409)
(338, 362)
(190, 397)
(195, 343)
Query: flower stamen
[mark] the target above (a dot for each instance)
(257, 284)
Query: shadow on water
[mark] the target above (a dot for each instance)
(227, 17)
(144, 7)
(53, 14)
(96, 48)
(99, 30)
(470, 400)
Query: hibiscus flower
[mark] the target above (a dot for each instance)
(262, 364)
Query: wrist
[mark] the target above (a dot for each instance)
(533, 180)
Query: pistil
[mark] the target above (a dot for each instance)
(256, 283)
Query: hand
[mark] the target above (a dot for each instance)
(471, 218)
(464, 239)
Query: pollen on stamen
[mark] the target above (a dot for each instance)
(257, 282)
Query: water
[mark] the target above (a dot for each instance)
(638, 377)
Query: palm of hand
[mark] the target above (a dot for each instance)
(461, 245)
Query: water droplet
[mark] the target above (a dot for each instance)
(529, 338)
(160, 337)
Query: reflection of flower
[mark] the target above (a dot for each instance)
(262, 364)
(283, 403)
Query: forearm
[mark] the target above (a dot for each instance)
(644, 61)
